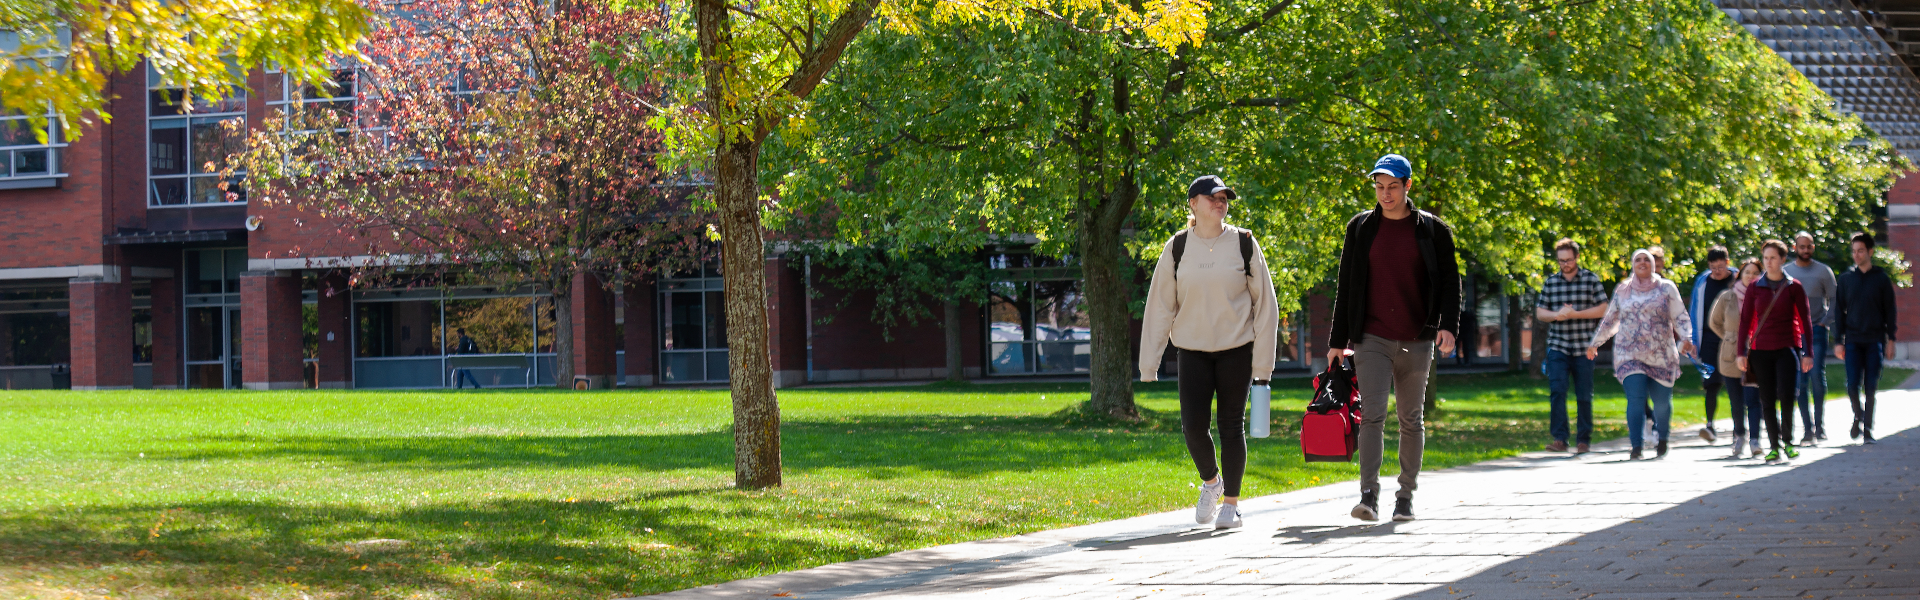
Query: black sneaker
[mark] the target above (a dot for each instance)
(1855, 432)
(1402, 510)
(1660, 450)
(1635, 455)
(1369, 507)
(1866, 436)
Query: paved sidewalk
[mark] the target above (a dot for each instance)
(1841, 522)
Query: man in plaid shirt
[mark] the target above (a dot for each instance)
(1572, 303)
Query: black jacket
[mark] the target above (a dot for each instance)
(1443, 278)
(1863, 307)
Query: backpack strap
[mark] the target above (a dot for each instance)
(1246, 253)
(1179, 248)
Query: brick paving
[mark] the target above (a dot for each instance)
(1841, 522)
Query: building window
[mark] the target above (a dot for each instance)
(303, 108)
(23, 155)
(189, 143)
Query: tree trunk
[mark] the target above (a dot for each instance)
(956, 359)
(736, 189)
(1107, 294)
(563, 336)
(1514, 319)
(756, 410)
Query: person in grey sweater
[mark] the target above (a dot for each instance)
(1811, 390)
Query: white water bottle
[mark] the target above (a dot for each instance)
(1262, 418)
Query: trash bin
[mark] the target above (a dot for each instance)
(62, 377)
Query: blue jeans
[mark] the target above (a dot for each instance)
(1863, 371)
(1577, 369)
(1811, 387)
(462, 376)
(1745, 403)
(1640, 389)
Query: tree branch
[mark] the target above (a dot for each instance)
(821, 58)
(797, 49)
(1271, 12)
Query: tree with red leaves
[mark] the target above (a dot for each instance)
(491, 141)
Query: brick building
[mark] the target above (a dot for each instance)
(125, 264)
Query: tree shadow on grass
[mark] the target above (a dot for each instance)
(877, 447)
(516, 548)
(881, 447)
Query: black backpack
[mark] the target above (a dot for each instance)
(1246, 252)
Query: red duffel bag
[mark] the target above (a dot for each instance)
(1330, 431)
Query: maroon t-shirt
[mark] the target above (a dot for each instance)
(1395, 308)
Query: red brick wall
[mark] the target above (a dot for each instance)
(61, 226)
(787, 320)
(853, 340)
(1903, 234)
(270, 331)
(592, 329)
(126, 152)
(101, 329)
(334, 317)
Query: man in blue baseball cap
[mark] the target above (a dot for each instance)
(1395, 303)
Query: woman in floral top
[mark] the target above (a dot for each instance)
(1645, 319)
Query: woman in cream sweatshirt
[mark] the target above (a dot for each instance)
(1743, 400)
(1216, 305)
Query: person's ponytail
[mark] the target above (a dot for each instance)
(1191, 221)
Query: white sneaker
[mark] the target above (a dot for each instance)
(1648, 434)
(1209, 504)
(1229, 517)
(1739, 448)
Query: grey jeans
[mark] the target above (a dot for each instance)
(1379, 363)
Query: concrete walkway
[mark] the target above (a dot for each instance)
(1841, 522)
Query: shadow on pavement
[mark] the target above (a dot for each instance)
(1193, 535)
(1844, 526)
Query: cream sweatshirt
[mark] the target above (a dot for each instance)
(1212, 305)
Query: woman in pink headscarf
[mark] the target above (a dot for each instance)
(1645, 319)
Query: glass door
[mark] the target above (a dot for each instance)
(233, 347)
(693, 318)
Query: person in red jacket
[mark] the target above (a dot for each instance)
(1776, 330)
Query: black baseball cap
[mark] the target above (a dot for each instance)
(1208, 185)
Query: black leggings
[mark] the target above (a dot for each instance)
(1711, 385)
(1203, 374)
(1777, 372)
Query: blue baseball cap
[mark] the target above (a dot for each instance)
(1392, 164)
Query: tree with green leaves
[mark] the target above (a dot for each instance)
(1615, 122)
(760, 65)
(58, 53)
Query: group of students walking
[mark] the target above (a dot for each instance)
(1762, 335)
(1395, 305)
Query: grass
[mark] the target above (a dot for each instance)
(536, 494)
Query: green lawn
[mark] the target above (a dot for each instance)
(535, 494)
